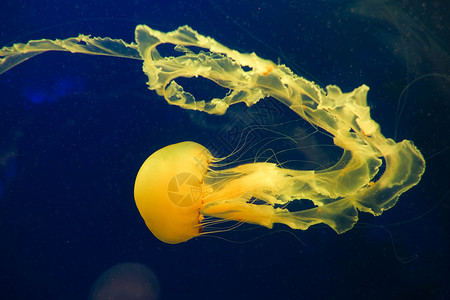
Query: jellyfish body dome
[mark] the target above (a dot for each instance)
(168, 191)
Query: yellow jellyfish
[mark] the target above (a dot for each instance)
(180, 187)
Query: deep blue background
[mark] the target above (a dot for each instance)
(74, 130)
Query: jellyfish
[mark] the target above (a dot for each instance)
(181, 189)
(129, 281)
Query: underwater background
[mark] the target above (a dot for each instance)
(75, 129)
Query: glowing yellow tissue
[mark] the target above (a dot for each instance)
(180, 192)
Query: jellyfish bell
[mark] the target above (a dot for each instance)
(168, 191)
(126, 281)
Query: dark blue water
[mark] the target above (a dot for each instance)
(75, 129)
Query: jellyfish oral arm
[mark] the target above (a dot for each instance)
(18, 53)
(338, 192)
